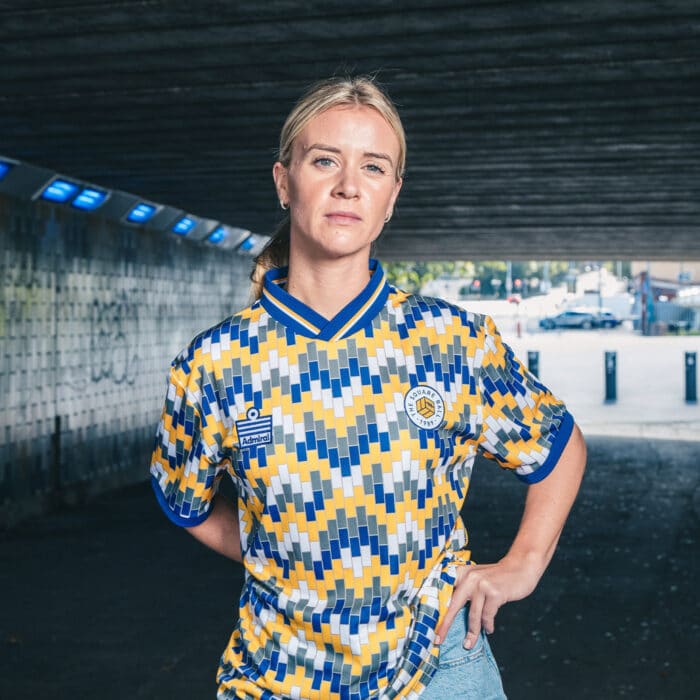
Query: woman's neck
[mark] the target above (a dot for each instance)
(327, 286)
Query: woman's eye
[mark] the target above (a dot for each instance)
(325, 162)
(374, 168)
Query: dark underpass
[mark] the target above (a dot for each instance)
(535, 130)
(111, 601)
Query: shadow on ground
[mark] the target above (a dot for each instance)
(113, 602)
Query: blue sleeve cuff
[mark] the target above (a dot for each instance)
(563, 434)
(172, 516)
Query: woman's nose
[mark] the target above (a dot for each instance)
(346, 185)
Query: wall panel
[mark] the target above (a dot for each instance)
(91, 313)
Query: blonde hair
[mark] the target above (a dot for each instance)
(334, 92)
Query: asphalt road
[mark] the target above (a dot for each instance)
(112, 601)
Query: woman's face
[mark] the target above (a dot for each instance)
(341, 183)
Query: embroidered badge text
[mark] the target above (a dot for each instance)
(255, 429)
(424, 407)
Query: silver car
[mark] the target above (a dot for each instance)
(569, 319)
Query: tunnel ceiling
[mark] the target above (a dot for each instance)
(535, 130)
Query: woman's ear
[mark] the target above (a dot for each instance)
(394, 196)
(397, 189)
(279, 175)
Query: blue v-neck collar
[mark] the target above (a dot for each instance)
(304, 320)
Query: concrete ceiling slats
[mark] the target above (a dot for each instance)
(61, 79)
(508, 45)
(590, 134)
(544, 119)
(155, 47)
(79, 17)
(531, 48)
(530, 125)
(628, 116)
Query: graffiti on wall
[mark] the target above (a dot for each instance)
(114, 332)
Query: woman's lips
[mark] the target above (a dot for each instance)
(343, 217)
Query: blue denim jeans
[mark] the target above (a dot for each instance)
(465, 674)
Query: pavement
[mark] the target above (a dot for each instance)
(111, 601)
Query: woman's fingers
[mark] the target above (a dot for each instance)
(474, 585)
(486, 587)
(457, 602)
(476, 605)
(492, 604)
(486, 601)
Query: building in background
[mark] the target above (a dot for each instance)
(681, 271)
(667, 296)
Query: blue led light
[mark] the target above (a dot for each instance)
(217, 235)
(141, 213)
(60, 191)
(247, 244)
(5, 168)
(184, 226)
(89, 199)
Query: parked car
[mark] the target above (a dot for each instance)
(569, 319)
(581, 318)
(606, 319)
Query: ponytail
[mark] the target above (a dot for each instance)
(274, 255)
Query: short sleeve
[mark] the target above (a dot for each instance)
(525, 427)
(187, 456)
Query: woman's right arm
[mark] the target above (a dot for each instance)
(220, 531)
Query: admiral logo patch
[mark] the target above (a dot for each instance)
(255, 429)
(424, 407)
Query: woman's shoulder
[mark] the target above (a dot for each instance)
(427, 309)
(223, 338)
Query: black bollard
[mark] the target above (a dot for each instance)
(610, 376)
(533, 362)
(691, 377)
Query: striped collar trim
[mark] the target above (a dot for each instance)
(304, 320)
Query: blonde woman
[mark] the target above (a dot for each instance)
(348, 414)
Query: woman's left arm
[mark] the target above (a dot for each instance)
(488, 586)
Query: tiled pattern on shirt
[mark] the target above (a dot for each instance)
(349, 513)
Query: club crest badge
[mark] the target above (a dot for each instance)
(424, 407)
(255, 429)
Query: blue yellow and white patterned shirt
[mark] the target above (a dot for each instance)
(351, 443)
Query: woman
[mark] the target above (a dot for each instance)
(349, 413)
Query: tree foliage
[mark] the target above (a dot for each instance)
(412, 275)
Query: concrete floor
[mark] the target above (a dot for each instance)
(112, 601)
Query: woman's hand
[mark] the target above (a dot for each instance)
(487, 587)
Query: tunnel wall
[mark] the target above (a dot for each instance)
(91, 313)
